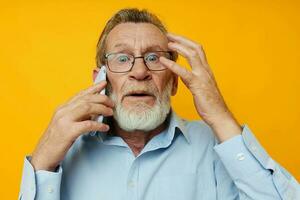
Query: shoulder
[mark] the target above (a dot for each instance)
(200, 136)
(201, 143)
(198, 130)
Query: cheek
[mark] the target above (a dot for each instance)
(161, 81)
(116, 83)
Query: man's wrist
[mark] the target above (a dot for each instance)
(226, 127)
(38, 165)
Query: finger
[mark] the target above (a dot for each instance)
(177, 69)
(82, 111)
(191, 44)
(89, 125)
(90, 90)
(95, 88)
(182, 39)
(191, 55)
(99, 98)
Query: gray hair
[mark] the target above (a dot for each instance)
(127, 15)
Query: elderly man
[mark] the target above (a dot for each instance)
(143, 150)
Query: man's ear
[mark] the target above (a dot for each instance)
(175, 85)
(95, 73)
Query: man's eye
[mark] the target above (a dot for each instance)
(152, 58)
(123, 58)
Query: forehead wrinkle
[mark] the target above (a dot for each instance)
(139, 48)
(147, 47)
(151, 43)
(138, 41)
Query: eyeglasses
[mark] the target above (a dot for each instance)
(123, 62)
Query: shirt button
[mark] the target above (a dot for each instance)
(240, 156)
(50, 189)
(131, 184)
(254, 148)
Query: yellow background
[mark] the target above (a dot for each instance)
(47, 55)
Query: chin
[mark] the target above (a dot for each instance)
(141, 116)
(137, 107)
(130, 103)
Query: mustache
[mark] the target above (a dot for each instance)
(148, 88)
(128, 88)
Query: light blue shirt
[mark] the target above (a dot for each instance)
(184, 162)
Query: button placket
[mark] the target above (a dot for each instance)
(132, 180)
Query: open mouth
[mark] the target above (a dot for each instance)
(139, 94)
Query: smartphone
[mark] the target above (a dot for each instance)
(100, 77)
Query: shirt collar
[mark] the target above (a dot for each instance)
(175, 124)
(178, 123)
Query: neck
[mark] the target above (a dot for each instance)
(137, 139)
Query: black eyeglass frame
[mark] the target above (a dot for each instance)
(135, 57)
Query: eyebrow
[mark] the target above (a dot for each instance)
(149, 48)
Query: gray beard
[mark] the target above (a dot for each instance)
(142, 116)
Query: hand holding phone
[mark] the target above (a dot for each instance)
(69, 121)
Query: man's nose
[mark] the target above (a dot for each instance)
(139, 70)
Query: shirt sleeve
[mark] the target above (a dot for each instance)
(40, 184)
(253, 171)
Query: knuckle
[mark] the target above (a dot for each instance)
(109, 110)
(194, 53)
(78, 93)
(61, 122)
(105, 98)
(173, 64)
(188, 77)
(105, 110)
(199, 47)
(59, 108)
(81, 92)
(100, 97)
(102, 109)
(86, 107)
(59, 112)
(88, 124)
(86, 97)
